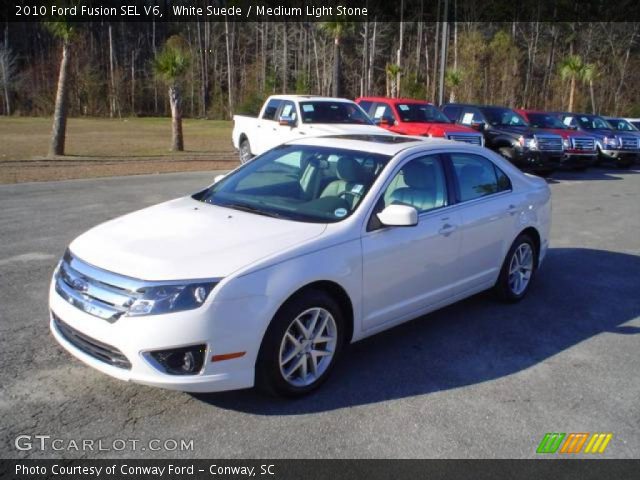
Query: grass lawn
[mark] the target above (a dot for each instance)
(102, 147)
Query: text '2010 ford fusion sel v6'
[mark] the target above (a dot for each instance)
(263, 277)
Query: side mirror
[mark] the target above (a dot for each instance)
(384, 122)
(399, 216)
(480, 126)
(573, 127)
(218, 178)
(287, 121)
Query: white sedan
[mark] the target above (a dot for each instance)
(263, 277)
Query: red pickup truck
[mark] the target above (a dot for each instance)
(579, 149)
(416, 117)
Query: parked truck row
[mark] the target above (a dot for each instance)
(535, 141)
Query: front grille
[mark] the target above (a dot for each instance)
(629, 143)
(466, 138)
(549, 143)
(583, 143)
(98, 350)
(97, 292)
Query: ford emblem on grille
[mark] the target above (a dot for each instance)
(79, 285)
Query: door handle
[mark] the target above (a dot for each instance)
(512, 210)
(447, 229)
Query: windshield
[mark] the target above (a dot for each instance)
(504, 117)
(593, 123)
(420, 113)
(622, 125)
(299, 182)
(333, 112)
(542, 120)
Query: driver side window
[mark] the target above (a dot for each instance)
(420, 183)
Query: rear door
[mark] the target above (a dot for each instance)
(486, 208)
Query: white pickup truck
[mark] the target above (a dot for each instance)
(289, 117)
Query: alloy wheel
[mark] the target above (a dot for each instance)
(520, 268)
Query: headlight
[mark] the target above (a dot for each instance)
(529, 143)
(611, 141)
(170, 298)
(566, 143)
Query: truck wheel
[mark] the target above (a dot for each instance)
(507, 152)
(301, 345)
(518, 270)
(245, 151)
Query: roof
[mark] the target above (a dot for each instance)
(384, 144)
(313, 98)
(393, 100)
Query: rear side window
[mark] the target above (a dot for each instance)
(366, 106)
(271, 109)
(478, 176)
(452, 112)
(382, 111)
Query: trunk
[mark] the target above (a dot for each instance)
(443, 53)
(365, 62)
(335, 83)
(372, 53)
(593, 98)
(229, 72)
(285, 58)
(60, 114)
(399, 52)
(572, 90)
(177, 140)
(133, 82)
(4, 75)
(112, 82)
(155, 83)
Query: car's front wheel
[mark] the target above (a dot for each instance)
(518, 269)
(301, 345)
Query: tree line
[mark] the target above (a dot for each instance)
(124, 69)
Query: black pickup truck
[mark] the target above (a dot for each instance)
(507, 133)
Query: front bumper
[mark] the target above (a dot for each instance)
(537, 161)
(577, 158)
(618, 156)
(134, 336)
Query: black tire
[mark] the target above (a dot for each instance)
(269, 377)
(507, 152)
(245, 151)
(544, 173)
(502, 287)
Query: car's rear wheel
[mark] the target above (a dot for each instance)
(245, 151)
(301, 345)
(518, 269)
(507, 152)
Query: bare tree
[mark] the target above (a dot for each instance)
(8, 70)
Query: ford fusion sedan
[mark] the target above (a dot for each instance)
(263, 277)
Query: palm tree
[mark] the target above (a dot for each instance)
(393, 73)
(66, 32)
(337, 29)
(453, 79)
(572, 68)
(171, 64)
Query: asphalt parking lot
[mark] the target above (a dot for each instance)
(477, 379)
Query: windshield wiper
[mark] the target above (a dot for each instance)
(248, 208)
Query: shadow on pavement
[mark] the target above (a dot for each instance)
(577, 294)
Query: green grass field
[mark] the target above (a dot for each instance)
(102, 147)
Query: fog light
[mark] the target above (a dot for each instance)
(181, 361)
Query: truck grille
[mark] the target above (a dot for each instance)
(466, 138)
(98, 350)
(549, 143)
(95, 291)
(583, 143)
(629, 143)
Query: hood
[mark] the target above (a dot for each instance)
(187, 239)
(515, 130)
(435, 129)
(344, 129)
(564, 133)
(599, 132)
